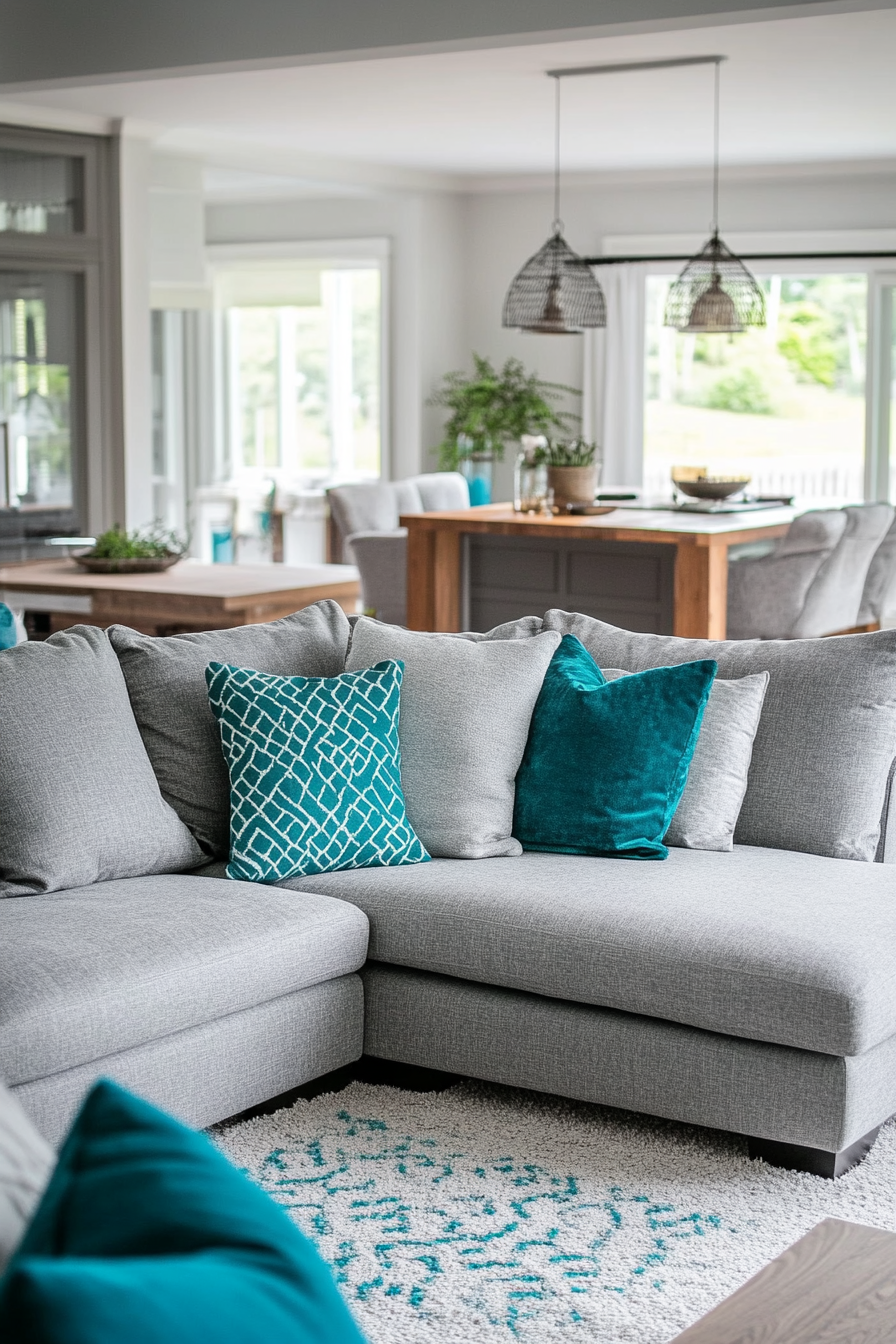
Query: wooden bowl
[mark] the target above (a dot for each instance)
(94, 565)
(712, 487)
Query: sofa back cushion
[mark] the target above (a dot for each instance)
(826, 740)
(465, 713)
(78, 797)
(166, 683)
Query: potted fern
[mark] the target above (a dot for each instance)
(490, 409)
(573, 471)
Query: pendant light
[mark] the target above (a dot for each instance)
(715, 292)
(555, 292)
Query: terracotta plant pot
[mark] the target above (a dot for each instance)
(573, 485)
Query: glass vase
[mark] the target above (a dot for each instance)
(477, 470)
(530, 485)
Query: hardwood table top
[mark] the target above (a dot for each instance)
(224, 585)
(837, 1284)
(619, 525)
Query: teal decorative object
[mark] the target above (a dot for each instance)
(315, 771)
(8, 634)
(147, 1234)
(606, 762)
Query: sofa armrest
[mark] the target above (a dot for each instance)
(382, 561)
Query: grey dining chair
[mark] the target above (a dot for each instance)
(879, 595)
(812, 582)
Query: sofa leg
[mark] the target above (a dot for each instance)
(815, 1161)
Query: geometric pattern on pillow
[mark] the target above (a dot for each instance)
(315, 771)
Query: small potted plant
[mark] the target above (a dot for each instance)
(573, 471)
(145, 551)
(491, 408)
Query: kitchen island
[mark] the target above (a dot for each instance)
(644, 569)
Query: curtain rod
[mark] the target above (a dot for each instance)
(753, 256)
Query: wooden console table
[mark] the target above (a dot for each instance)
(837, 1284)
(645, 570)
(190, 596)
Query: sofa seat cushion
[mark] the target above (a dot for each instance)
(108, 967)
(770, 945)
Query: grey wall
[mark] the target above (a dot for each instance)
(58, 39)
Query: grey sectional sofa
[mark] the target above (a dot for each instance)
(751, 990)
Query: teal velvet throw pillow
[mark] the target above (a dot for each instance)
(315, 771)
(606, 762)
(147, 1235)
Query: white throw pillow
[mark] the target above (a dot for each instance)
(26, 1161)
(465, 713)
(717, 779)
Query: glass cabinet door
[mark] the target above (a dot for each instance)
(41, 193)
(39, 379)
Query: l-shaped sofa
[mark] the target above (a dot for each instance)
(752, 991)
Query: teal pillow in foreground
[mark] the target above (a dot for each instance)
(606, 762)
(147, 1235)
(315, 771)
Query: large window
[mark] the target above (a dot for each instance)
(784, 404)
(300, 369)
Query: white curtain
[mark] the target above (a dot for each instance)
(613, 381)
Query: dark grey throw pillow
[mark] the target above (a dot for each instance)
(166, 683)
(826, 739)
(79, 802)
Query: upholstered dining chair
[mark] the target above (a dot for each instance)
(879, 595)
(366, 516)
(812, 583)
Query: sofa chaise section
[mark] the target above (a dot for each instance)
(206, 997)
(752, 991)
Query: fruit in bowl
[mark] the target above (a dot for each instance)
(710, 487)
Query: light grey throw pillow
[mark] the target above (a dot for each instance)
(826, 740)
(26, 1162)
(78, 799)
(166, 682)
(717, 779)
(465, 713)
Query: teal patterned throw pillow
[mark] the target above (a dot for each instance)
(315, 771)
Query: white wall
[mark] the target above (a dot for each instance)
(501, 229)
(426, 290)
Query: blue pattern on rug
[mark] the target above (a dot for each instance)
(528, 1238)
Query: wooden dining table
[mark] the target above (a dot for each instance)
(189, 596)
(655, 570)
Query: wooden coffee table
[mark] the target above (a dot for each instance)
(836, 1285)
(191, 596)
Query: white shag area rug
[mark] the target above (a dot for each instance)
(486, 1214)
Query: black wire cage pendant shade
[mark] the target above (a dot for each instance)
(715, 292)
(556, 292)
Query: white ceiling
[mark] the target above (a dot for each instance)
(796, 90)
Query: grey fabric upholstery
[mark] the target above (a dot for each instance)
(465, 713)
(635, 1063)
(210, 1072)
(767, 595)
(78, 799)
(779, 947)
(826, 739)
(26, 1160)
(104, 968)
(707, 814)
(440, 490)
(382, 560)
(808, 586)
(376, 506)
(879, 594)
(833, 601)
(166, 683)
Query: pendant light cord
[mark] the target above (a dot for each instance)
(558, 222)
(715, 155)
